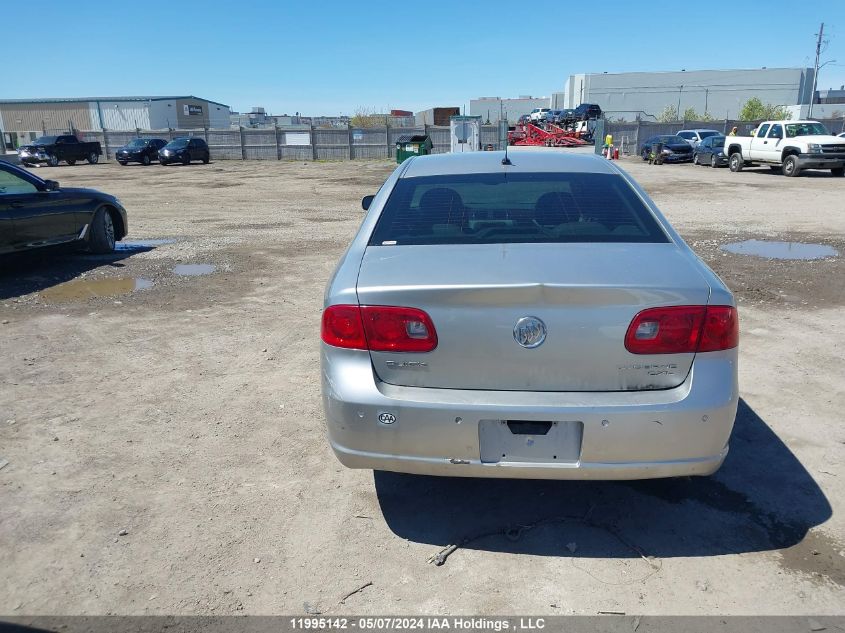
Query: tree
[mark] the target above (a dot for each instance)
(756, 110)
(776, 113)
(367, 117)
(669, 114)
(752, 110)
(691, 115)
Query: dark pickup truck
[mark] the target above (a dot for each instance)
(52, 149)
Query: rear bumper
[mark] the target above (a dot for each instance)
(821, 161)
(626, 435)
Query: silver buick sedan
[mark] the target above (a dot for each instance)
(532, 317)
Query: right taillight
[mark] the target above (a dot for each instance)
(378, 328)
(683, 329)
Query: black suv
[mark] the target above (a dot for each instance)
(140, 150)
(184, 150)
(586, 111)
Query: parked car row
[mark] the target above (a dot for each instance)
(179, 150)
(788, 147)
(51, 150)
(569, 116)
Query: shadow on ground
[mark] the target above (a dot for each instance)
(761, 499)
(34, 271)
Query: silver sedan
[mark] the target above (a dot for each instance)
(536, 317)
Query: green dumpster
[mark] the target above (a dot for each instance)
(412, 145)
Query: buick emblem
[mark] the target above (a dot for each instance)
(530, 332)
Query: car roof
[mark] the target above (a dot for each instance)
(522, 161)
(702, 129)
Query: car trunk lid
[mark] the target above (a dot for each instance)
(586, 294)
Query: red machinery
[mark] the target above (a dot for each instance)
(552, 136)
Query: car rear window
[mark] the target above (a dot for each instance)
(514, 208)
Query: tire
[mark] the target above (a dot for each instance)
(206, 159)
(101, 236)
(645, 154)
(162, 162)
(735, 162)
(790, 166)
(713, 162)
(122, 162)
(146, 160)
(695, 159)
(52, 160)
(837, 171)
(186, 159)
(93, 158)
(71, 161)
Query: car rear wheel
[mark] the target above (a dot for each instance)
(736, 163)
(71, 161)
(101, 239)
(713, 162)
(790, 166)
(186, 159)
(145, 160)
(206, 158)
(122, 162)
(162, 162)
(838, 171)
(53, 160)
(93, 158)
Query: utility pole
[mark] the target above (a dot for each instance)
(816, 71)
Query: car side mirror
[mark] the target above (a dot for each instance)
(366, 201)
(51, 185)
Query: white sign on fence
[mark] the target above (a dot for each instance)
(297, 138)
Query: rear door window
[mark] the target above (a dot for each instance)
(515, 208)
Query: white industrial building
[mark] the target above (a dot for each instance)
(495, 109)
(112, 113)
(720, 93)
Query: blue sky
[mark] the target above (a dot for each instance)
(332, 57)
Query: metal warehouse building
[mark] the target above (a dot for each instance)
(494, 109)
(110, 113)
(721, 93)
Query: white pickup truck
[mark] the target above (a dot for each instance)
(790, 146)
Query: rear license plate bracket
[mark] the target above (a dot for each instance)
(530, 441)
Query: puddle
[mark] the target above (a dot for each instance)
(780, 250)
(140, 245)
(194, 270)
(89, 288)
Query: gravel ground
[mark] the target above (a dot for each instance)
(166, 449)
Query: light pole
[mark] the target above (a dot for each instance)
(815, 83)
(680, 90)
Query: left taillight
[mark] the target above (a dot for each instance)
(379, 328)
(343, 327)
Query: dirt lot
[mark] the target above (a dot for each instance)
(166, 449)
